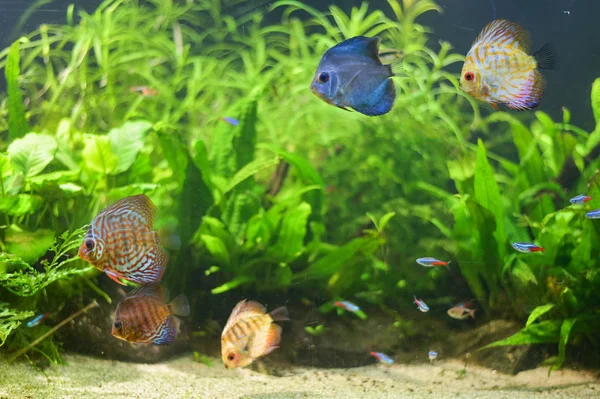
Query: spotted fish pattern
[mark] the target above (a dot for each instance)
(122, 243)
(498, 68)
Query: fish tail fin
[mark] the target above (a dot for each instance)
(280, 314)
(448, 264)
(168, 238)
(180, 306)
(531, 95)
(273, 339)
(546, 57)
(472, 313)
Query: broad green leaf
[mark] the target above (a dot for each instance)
(539, 333)
(131, 189)
(337, 259)
(17, 123)
(290, 240)
(487, 194)
(249, 170)
(217, 248)
(21, 204)
(126, 142)
(565, 331)
(29, 246)
(538, 312)
(596, 100)
(523, 273)
(385, 219)
(32, 153)
(582, 253)
(98, 155)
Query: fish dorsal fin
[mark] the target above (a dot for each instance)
(362, 45)
(151, 290)
(138, 207)
(243, 309)
(505, 33)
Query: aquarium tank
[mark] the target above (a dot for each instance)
(299, 199)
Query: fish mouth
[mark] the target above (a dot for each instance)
(313, 89)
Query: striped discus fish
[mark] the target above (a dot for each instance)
(144, 315)
(122, 243)
(250, 333)
(499, 70)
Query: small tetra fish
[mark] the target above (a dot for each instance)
(461, 312)
(422, 305)
(382, 357)
(144, 91)
(231, 121)
(250, 333)
(432, 355)
(431, 262)
(144, 315)
(347, 305)
(351, 75)
(527, 247)
(580, 199)
(37, 320)
(122, 243)
(595, 214)
(499, 70)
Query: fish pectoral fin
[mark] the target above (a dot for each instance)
(344, 108)
(113, 276)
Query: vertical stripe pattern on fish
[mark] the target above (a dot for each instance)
(121, 242)
(144, 316)
(250, 333)
(499, 70)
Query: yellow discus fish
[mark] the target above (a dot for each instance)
(250, 333)
(499, 70)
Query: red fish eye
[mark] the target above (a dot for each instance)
(231, 357)
(89, 244)
(469, 76)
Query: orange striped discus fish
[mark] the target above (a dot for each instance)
(122, 243)
(499, 70)
(144, 316)
(250, 333)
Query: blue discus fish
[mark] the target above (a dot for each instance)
(595, 214)
(383, 358)
(352, 75)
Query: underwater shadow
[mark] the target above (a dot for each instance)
(523, 388)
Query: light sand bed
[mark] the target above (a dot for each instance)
(85, 377)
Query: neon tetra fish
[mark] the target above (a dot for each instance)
(144, 91)
(431, 262)
(382, 357)
(122, 243)
(527, 247)
(347, 305)
(250, 333)
(580, 199)
(422, 305)
(37, 320)
(144, 315)
(499, 70)
(351, 75)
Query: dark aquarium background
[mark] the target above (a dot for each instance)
(277, 196)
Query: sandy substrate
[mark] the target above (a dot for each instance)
(85, 377)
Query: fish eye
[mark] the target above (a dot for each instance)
(469, 76)
(89, 244)
(323, 77)
(118, 324)
(231, 357)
